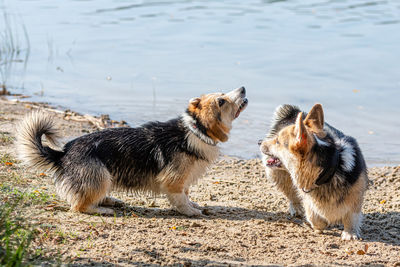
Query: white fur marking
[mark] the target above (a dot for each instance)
(320, 142)
(189, 122)
(347, 155)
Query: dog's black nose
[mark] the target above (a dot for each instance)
(243, 90)
(260, 142)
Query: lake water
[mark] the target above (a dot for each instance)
(143, 60)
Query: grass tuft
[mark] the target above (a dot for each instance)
(15, 235)
(7, 159)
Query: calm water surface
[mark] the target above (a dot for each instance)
(143, 60)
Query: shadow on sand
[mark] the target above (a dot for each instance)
(210, 213)
(377, 226)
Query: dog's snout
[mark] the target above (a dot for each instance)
(260, 142)
(242, 91)
(264, 147)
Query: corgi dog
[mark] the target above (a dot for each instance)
(158, 157)
(327, 171)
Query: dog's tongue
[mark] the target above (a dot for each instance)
(237, 114)
(271, 161)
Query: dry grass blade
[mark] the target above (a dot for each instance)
(14, 48)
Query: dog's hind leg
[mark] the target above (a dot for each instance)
(88, 202)
(87, 190)
(94, 209)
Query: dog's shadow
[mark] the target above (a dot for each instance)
(377, 226)
(209, 213)
(382, 227)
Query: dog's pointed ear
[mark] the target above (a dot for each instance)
(194, 102)
(218, 132)
(315, 118)
(300, 132)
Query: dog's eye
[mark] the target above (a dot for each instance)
(277, 142)
(221, 101)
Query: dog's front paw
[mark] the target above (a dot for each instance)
(346, 236)
(295, 210)
(195, 205)
(189, 211)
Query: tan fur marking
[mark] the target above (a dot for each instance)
(218, 132)
(308, 172)
(301, 144)
(209, 113)
(315, 118)
(175, 178)
(92, 197)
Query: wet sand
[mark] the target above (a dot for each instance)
(245, 222)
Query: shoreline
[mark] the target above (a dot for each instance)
(104, 121)
(246, 221)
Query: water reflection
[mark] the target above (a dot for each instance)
(132, 6)
(14, 51)
(343, 11)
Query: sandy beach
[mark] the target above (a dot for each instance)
(245, 222)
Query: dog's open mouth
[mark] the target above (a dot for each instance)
(273, 162)
(241, 107)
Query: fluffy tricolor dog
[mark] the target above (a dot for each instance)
(160, 157)
(318, 167)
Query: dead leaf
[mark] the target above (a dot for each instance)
(383, 201)
(9, 163)
(360, 252)
(366, 248)
(50, 207)
(349, 251)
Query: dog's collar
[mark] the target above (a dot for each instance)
(327, 174)
(198, 129)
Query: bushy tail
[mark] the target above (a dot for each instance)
(284, 115)
(29, 142)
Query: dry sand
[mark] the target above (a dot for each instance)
(246, 221)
